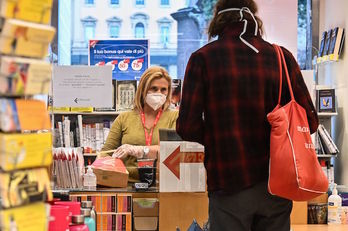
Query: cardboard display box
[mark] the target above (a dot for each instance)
(110, 172)
(181, 167)
(145, 207)
(145, 223)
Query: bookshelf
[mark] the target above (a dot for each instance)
(326, 115)
(96, 113)
(326, 155)
(25, 137)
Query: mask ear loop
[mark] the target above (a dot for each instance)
(246, 9)
(245, 27)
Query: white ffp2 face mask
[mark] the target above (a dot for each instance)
(155, 100)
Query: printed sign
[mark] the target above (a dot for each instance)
(128, 58)
(82, 86)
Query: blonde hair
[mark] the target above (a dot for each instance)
(152, 73)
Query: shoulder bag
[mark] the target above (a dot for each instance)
(294, 170)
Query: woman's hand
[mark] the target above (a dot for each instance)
(126, 149)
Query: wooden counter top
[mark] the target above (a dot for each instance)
(319, 227)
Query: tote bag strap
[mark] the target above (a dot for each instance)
(282, 63)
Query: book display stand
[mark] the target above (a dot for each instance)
(25, 137)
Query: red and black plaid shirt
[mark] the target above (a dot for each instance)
(228, 91)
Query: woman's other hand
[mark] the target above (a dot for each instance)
(126, 149)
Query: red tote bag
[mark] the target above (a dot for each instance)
(294, 170)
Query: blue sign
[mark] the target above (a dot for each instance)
(128, 58)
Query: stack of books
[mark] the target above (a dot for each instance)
(114, 211)
(331, 45)
(324, 143)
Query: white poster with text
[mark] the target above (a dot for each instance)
(82, 86)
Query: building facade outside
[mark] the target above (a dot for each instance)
(125, 19)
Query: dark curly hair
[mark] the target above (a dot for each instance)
(219, 22)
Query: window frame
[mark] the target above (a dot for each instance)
(118, 30)
(164, 22)
(88, 21)
(86, 2)
(114, 4)
(162, 38)
(114, 21)
(164, 5)
(139, 5)
(135, 30)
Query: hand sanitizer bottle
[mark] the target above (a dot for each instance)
(89, 179)
(334, 206)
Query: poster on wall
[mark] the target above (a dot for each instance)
(128, 58)
(82, 86)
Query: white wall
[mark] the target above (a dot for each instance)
(332, 14)
(280, 22)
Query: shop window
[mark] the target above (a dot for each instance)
(114, 2)
(304, 41)
(114, 25)
(114, 31)
(89, 32)
(164, 2)
(164, 34)
(164, 25)
(89, 2)
(140, 2)
(139, 30)
(89, 25)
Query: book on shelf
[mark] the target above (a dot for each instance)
(336, 44)
(33, 115)
(38, 11)
(25, 38)
(23, 76)
(23, 115)
(325, 56)
(25, 186)
(8, 116)
(125, 94)
(25, 150)
(326, 143)
(325, 99)
(72, 131)
(322, 44)
(176, 93)
(29, 217)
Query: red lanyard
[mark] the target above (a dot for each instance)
(148, 137)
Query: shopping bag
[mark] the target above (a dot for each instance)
(294, 170)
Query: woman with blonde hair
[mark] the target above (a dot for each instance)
(134, 134)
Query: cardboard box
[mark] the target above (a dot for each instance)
(145, 207)
(145, 223)
(110, 172)
(181, 167)
(299, 212)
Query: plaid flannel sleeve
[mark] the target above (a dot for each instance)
(189, 124)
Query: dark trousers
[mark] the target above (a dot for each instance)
(252, 209)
